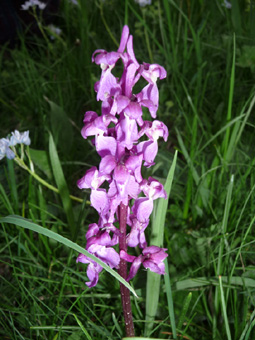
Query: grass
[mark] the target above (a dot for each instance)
(207, 102)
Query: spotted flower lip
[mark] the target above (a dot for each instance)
(118, 180)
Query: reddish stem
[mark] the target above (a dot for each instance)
(124, 291)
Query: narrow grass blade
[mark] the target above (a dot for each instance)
(171, 33)
(238, 130)
(82, 328)
(152, 36)
(24, 223)
(220, 266)
(135, 338)
(187, 157)
(230, 98)
(218, 133)
(5, 200)
(158, 223)
(239, 250)
(247, 337)
(200, 282)
(62, 185)
(170, 299)
(115, 321)
(224, 310)
(13, 185)
(250, 324)
(184, 310)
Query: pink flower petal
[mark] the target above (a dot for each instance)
(125, 256)
(142, 208)
(124, 38)
(134, 267)
(92, 272)
(109, 256)
(99, 200)
(106, 146)
(159, 269)
(107, 164)
(92, 230)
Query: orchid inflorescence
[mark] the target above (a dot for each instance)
(117, 133)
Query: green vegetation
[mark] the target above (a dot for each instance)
(207, 102)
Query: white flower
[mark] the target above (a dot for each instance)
(227, 4)
(5, 150)
(19, 138)
(32, 3)
(143, 3)
(16, 138)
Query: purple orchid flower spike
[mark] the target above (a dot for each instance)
(119, 193)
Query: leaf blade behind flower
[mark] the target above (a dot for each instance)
(24, 223)
(153, 279)
(62, 186)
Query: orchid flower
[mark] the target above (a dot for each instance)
(116, 138)
(126, 198)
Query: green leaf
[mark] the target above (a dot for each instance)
(138, 338)
(158, 223)
(41, 159)
(170, 299)
(61, 127)
(250, 324)
(82, 327)
(24, 223)
(13, 185)
(5, 200)
(224, 225)
(247, 57)
(199, 282)
(224, 310)
(225, 143)
(62, 185)
(185, 308)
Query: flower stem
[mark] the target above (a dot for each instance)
(124, 292)
(22, 164)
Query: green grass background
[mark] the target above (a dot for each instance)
(207, 102)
